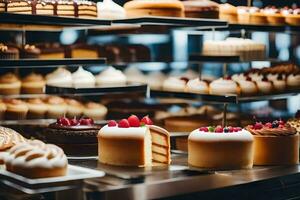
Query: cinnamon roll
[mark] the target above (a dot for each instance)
(35, 159)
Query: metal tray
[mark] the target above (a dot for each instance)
(129, 88)
(73, 179)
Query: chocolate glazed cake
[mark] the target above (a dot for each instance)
(84, 9)
(75, 137)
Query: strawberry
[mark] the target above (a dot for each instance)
(269, 125)
(258, 125)
(134, 121)
(123, 123)
(65, 121)
(146, 121)
(219, 129)
(74, 122)
(112, 123)
(205, 129)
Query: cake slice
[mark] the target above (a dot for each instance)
(127, 143)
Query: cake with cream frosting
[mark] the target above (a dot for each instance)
(82, 78)
(224, 86)
(111, 77)
(220, 148)
(60, 77)
(110, 10)
(133, 142)
(275, 143)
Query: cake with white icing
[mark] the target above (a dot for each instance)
(220, 148)
(133, 142)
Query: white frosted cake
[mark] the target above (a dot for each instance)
(220, 148)
(247, 49)
(132, 142)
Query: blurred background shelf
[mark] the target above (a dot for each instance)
(49, 62)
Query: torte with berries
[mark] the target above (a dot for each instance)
(71, 134)
(220, 148)
(134, 142)
(275, 143)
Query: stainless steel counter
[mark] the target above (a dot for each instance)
(178, 179)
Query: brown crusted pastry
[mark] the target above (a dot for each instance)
(37, 109)
(37, 160)
(228, 12)
(8, 138)
(9, 84)
(7, 52)
(33, 84)
(201, 9)
(51, 51)
(15, 109)
(56, 107)
(2, 109)
(275, 143)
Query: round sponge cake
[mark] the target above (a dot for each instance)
(211, 148)
(167, 8)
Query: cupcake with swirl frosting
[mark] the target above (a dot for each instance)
(275, 143)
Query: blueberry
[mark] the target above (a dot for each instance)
(275, 124)
(226, 130)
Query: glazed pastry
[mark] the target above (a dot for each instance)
(7, 52)
(279, 83)
(155, 80)
(134, 75)
(83, 79)
(56, 107)
(201, 9)
(133, 142)
(2, 109)
(264, 86)
(175, 84)
(95, 111)
(110, 10)
(170, 8)
(248, 87)
(215, 148)
(197, 86)
(8, 138)
(9, 84)
(33, 84)
(37, 160)
(15, 109)
(37, 109)
(293, 80)
(111, 77)
(228, 12)
(275, 143)
(223, 87)
(74, 108)
(60, 77)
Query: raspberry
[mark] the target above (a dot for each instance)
(205, 129)
(258, 125)
(269, 125)
(146, 121)
(86, 121)
(112, 123)
(134, 121)
(281, 122)
(65, 121)
(230, 129)
(237, 129)
(219, 129)
(74, 122)
(123, 123)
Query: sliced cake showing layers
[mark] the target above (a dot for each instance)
(132, 142)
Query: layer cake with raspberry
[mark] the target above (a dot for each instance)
(134, 142)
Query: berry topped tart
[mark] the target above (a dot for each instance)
(275, 143)
(133, 142)
(220, 148)
(72, 134)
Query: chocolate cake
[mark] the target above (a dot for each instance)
(8, 52)
(30, 51)
(84, 9)
(75, 136)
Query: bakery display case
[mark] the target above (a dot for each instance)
(146, 106)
